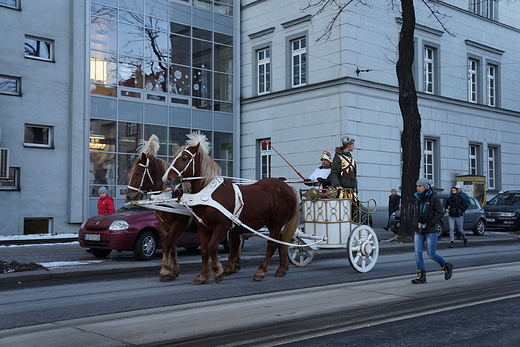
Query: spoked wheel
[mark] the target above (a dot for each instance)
(363, 248)
(300, 256)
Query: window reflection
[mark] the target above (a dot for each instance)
(157, 8)
(223, 147)
(156, 46)
(202, 83)
(179, 80)
(103, 34)
(131, 40)
(155, 76)
(130, 17)
(202, 54)
(129, 135)
(130, 73)
(180, 50)
(97, 10)
(177, 139)
(102, 67)
(224, 58)
(223, 87)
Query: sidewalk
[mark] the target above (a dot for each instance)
(89, 265)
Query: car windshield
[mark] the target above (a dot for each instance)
(512, 199)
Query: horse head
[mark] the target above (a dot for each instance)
(147, 170)
(182, 166)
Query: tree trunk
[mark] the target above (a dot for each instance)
(411, 137)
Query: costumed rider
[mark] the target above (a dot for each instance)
(320, 176)
(343, 173)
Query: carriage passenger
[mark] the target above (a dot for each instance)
(320, 176)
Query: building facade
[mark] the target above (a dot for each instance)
(303, 93)
(120, 71)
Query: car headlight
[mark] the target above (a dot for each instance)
(507, 214)
(119, 225)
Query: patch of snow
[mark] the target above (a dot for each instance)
(42, 244)
(37, 237)
(56, 264)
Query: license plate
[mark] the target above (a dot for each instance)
(92, 237)
(490, 220)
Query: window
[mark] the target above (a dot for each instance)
(299, 62)
(429, 64)
(13, 182)
(475, 167)
(10, 3)
(472, 80)
(264, 70)
(37, 226)
(493, 168)
(38, 48)
(429, 159)
(265, 158)
(10, 85)
(38, 136)
(4, 163)
(484, 8)
(491, 85)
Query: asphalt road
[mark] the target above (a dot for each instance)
(324, 301)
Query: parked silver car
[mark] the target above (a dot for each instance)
(474, 218)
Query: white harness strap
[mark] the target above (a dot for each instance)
(204, 198)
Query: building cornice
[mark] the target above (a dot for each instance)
(261, 33)
(297, 21)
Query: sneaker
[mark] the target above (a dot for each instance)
(452, 244)
(465, 242)
(448, 270)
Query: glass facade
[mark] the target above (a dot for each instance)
(162, 67)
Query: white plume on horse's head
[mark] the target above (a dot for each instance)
(149, 147)
(198, 138)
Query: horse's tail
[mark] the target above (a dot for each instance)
(290, 227)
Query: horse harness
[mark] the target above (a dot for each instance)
(204, 198)
(146, 173)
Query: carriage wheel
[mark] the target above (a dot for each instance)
(363, 248)
(300, 256)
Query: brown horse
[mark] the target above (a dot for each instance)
(145, 177)
(269, 202)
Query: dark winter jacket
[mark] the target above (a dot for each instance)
(429, 210)
(456, 204)
(394, 201)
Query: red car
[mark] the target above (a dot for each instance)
(131, 228)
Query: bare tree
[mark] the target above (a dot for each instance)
(411, 136)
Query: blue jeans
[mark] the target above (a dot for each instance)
(431, 248)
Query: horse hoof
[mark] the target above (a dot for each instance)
(166, 278)
(258, 278)
(280, 274)
(219, 278)
(198, 281)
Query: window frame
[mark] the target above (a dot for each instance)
(495, 80)
(39, 41)
(14, 177)
(299, 52)
(475, 159)
(264, 158)
(266, 63)
(493, 167)
(15, 7)
(484, 8)
(18, 85)
(473, 78)
(433, 152)
(50, 136)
